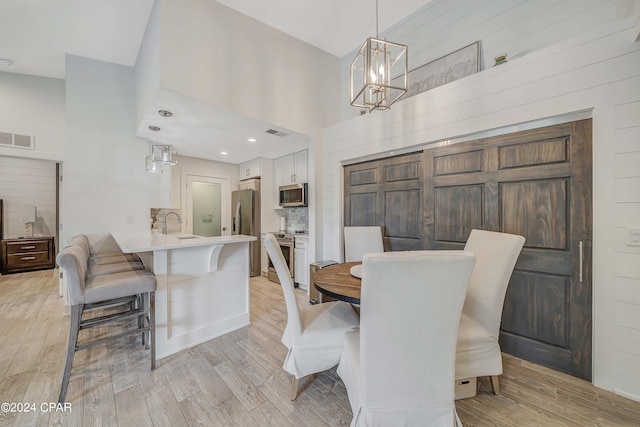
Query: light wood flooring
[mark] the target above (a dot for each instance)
(236, 379)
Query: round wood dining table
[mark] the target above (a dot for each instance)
(336, 281)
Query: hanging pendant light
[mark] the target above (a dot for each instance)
(378, 73)
(152, 165)
(165, 153)
(161, 154)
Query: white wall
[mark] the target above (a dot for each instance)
(212, 53)
(104, 177)
(215, 54)
(28, 182)
(595, 65)
(33, 106)
(147, 68)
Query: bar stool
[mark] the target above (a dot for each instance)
(133, 291)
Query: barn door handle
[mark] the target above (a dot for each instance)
(581, 256)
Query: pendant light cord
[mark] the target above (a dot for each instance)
(377, 34)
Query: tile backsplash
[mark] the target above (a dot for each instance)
(157, 220)
(296, 218)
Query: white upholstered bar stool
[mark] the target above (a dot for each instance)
(398, 368)
(101, 258)
(478, 353)
(362, 240)
(314, 334)
(134, 291)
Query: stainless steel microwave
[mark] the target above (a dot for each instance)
(294, 195)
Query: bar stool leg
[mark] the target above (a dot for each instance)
(74, 329)
(144, 303)
(152, 327)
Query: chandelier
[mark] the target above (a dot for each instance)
(378, 73)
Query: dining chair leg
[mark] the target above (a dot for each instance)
(152, 328)
(294, 388)
(74, 329)
(494, 385)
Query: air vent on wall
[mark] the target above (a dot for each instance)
(276, 132)
(16, 140)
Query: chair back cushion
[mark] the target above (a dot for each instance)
(409, 314)
(83, 241)
(361, 240)
(73, 262)
(294, 322)
(496, 256)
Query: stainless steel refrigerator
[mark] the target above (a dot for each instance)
(245, 213)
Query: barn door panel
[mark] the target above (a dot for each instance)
(537, 184)
(387, 193)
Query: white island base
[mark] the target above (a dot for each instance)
(202, 285)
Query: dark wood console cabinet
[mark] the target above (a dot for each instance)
(28, 254)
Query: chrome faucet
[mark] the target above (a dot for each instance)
(164, 227)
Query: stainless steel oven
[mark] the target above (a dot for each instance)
(286, 246)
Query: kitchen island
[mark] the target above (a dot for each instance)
(203, 285)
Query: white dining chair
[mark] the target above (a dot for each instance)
(362, 240)
(478, 353)
(398, 367)
(314, 334)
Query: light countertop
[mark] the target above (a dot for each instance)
(148, 241)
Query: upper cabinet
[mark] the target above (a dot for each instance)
(294, 168)
(291, 169)
(250, 169)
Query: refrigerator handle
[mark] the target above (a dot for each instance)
(236, 220)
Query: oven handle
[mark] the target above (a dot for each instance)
(289, 244)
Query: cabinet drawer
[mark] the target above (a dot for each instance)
(27, 259)
(301, 243)
(27, 246)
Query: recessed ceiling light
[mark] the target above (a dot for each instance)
(224, 153)
(251, 140)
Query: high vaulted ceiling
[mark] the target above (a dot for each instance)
(336, 26)
(35, 35)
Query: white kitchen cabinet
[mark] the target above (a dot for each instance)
(301, 261)
(287, 170)
(249, 184)
(264, 258)
(250, 169)
(277, 181)
(294, 168)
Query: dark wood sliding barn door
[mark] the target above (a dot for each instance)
(387, 193)
(537, 184)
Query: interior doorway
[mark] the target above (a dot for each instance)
(207, 206)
